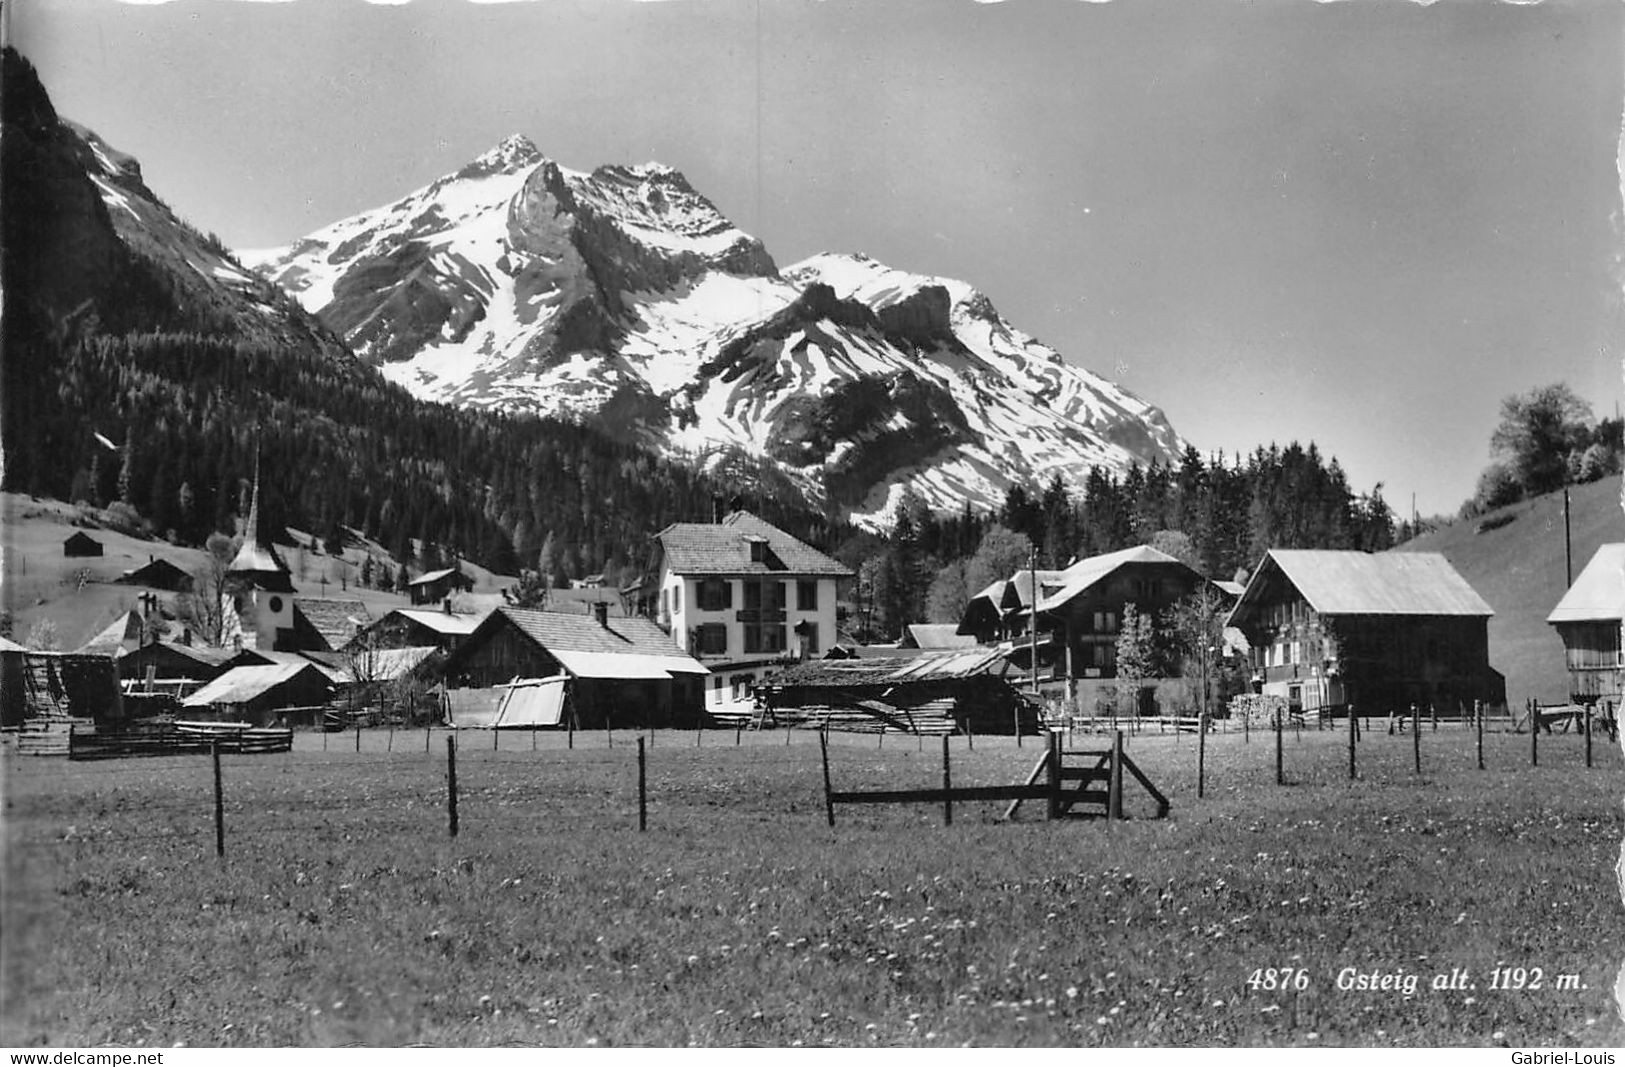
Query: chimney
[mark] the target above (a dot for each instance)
(600, 608)
(186, 635)
(716, 511)
(446, 604)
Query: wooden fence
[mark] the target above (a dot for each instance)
(177, 738)
(1099, 784)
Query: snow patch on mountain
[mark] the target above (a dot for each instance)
(625, 297)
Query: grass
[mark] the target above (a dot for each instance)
(343, 913)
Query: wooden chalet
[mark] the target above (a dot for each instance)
(1381, 632)
(934, 636)
(623, 671)
(417, 627)
(435, 586)
(1588, 620)
(81, 545)
(932, 693)
(157, 574)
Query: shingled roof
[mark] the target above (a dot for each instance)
(1079, 577)
(336, 620)
(699, 548)
(615, 648)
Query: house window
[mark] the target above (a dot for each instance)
(713, 639)
(758, 549)
(1297, 651)
(806, 595)
(767, 637)
(809, 639)
(716, 594)
(764, 596)
(1105, 622)
(665, 604)
(677, 599)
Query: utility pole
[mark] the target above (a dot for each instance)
(1568, 545)
(1032, 615)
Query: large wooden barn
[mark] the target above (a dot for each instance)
(934, 692)
(623, 671)
(1588, 620)
(1329, 629)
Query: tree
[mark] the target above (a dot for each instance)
(1001, 554)
(949, 593)
(1179, 545)
(531, 591)
(204, 606)
(42, 636)
(1136, 651)
(1538, 430)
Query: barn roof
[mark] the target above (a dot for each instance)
(203, 654)
(936, 635)
(242, 684)
(430, 577)
(383, 664)
(1598, 595)
(932, 666)
(110, 640)
(1361, 583)
(7, 645)
(444, 622)
(336, 620)
(699, 548)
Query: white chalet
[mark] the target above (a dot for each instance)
(744, 597)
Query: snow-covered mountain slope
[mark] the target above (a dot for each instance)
(625, 297)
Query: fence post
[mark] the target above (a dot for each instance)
(1015, 716)
(358, 739)
(829, 802)
(1054, 769)
(698, 733)
(1354, 725)
(970, 736)
(1588, 733)
(219, 804)
(739, 728)
(390, 745)
(570, 729)
(1280, 766)
(1478, 728)
(947, 784)
(1433, 710)
(451, 784)
(1534, 734)
(1114, 800)
(1416, 736)
(428, 735)
(1201, 751)
(880, 736)
(643, 790)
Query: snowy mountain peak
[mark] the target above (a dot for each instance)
(623, 296)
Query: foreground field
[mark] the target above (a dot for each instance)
(344, 913)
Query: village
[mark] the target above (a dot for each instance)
(739, 625)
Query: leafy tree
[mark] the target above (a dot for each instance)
(1002, 553)
(949, 593)
(42, 636)
(1538, 430)
(1179, 545)
(1136, 652)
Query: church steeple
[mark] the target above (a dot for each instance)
(257, 563)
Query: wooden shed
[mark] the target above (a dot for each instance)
(81, 544)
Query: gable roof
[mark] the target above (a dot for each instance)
(336, 620)
(699, 548)
(110, 640)
(242, 684)
(430, 577)
(625, 648)
(1082, 575)
(81, 538)
(1598, 595)
(203, 655)
(1361, 583)
(934, 635)
(449, 623)
(155, 571)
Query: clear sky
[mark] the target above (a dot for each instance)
(1358, 223)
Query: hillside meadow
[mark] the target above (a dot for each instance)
(344, 913)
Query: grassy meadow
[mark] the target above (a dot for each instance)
(343, 912)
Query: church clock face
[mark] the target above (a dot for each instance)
(276, 605)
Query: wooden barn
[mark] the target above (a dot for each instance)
(259, 692)
(1381, 632)
(932, 693)
(65, 685)
(173, 665)
(12, 657)
(417, 627)
(623, 672)
(157, 574)
(81, 545)
(1588, 620)
(435, 586)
